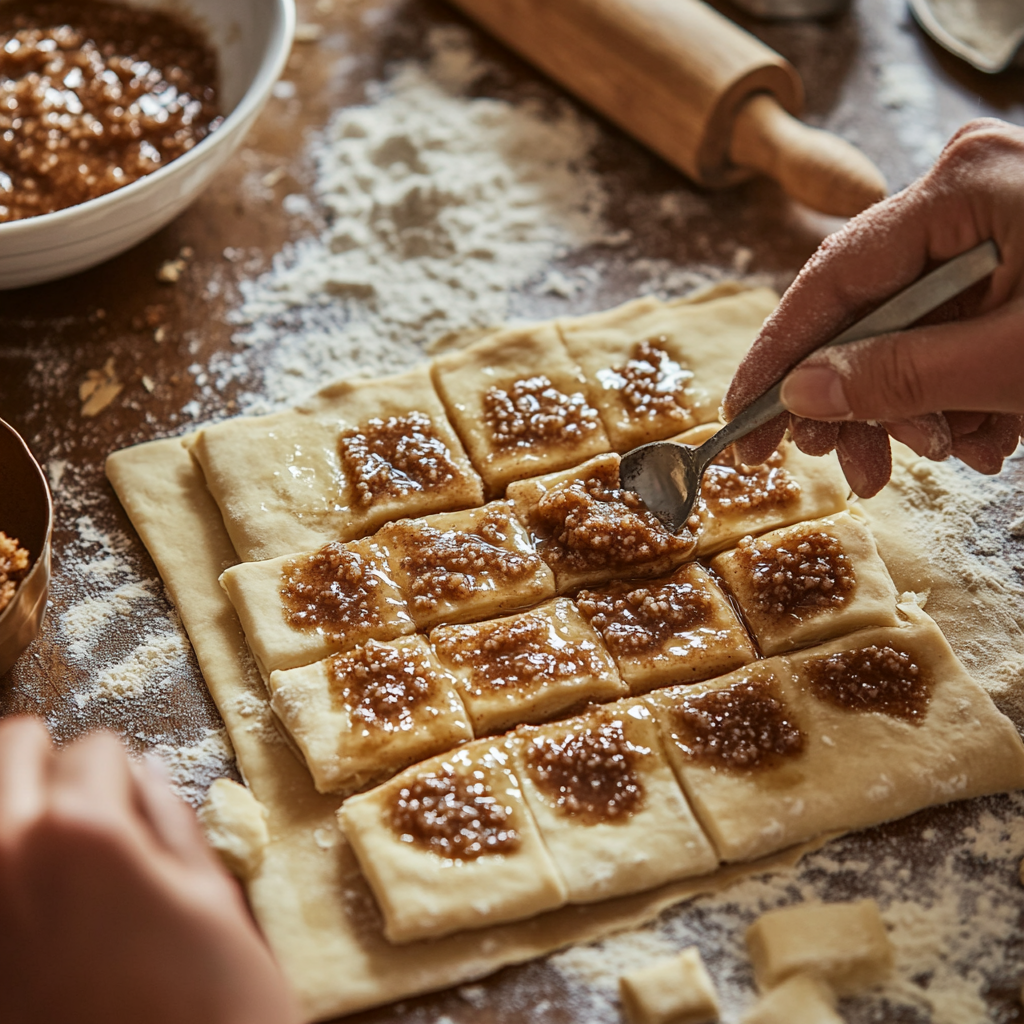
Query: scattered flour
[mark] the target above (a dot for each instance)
(439, 204)
(194, 768)
(950, 902)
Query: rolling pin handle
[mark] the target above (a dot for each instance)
(813, 166)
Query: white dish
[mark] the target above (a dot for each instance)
(252, 39)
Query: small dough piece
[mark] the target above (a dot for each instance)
(363, 715)
(809, 583)
(527, 667)
(866, 729)
(676, 629)
(657, 368)
(450, 844)
(235, 825)
(800, 1000)
(356, 455)
(675, 990)
(590, 530)
(738, 500)
(608, 806)
(520, 405)
(844, 944)
(461, 566)
(298, 609)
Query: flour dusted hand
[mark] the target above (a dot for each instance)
(952, 387)
(112, 907)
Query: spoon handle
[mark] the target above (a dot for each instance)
(902, 310)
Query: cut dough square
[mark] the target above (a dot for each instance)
(863, 730)
(607, 804)
(356, 455)
(520, 405)
(527, 667)
(450, 844)
(676, 629)
(589, 530)
(809, 583)
(461, 566)
(365, 714)
(738, 500)
(800, 1000)
(675, 990)
(844, 944)
(653, 367)
(298, 609)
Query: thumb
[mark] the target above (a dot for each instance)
(975, 364)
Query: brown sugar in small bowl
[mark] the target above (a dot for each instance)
(26, 512)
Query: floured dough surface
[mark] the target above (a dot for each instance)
(309, 892)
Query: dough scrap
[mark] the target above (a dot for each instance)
(675, 990)
(800, 1000)
(843, 944)
(235, 825)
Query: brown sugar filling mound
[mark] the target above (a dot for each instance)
(743, 726)
(14, 567)
(393, 457)
(872, 679)
(453, 816)
(381, 685)
(533, 413)
(515, 653)
(635, 620)
(809, 573)
(593, 523)
(652, 384)
(447, 565)
(729, 486)
(332, 590)
(94, 96)
(591, 775)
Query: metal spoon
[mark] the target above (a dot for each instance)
(667, 475)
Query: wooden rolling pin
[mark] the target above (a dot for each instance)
(697, 89)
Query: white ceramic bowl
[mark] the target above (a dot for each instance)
(252, 39)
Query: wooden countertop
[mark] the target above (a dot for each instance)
(870, 75)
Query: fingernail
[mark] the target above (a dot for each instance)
(817, 393)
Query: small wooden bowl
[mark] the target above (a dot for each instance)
(26, 512)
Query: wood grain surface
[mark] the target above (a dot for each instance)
(52, 336)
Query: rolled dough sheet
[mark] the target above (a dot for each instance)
(309, 895)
